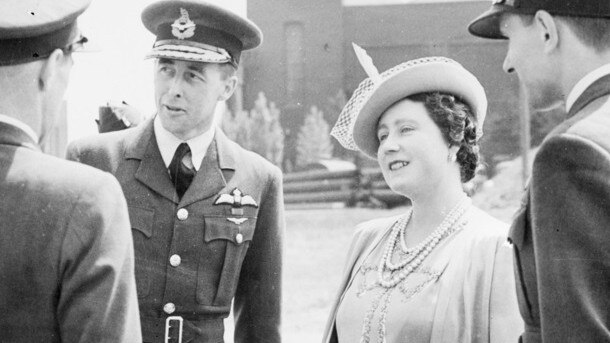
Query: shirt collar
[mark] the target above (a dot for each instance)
(584, 83)
(168, 143)
(21, 125)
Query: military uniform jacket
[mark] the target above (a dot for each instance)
(561, 234)
(66, 252)
(195, 255)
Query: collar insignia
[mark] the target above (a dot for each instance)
(183, 27)
(237, 221)
(237, 200)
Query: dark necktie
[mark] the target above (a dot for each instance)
(181, 174)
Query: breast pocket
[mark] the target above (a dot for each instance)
(142, 228)
(225, 246)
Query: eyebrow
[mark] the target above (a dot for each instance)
(165, 61)
(197, 68)
(398, 121)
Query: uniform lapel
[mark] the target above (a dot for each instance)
(210, 178)
(151, 171)
(598, 89)
(12, 135)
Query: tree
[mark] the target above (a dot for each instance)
(258, 131)
(313, 140)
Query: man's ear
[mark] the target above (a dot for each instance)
(547, 29)
(230, 85)
(50, 69)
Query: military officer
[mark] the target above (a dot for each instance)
(66, 252)
(560, 50)
(206, 215)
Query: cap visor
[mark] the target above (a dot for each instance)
(487, 25)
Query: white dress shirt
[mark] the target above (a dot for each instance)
(584, 83)
(18, 123)
(168, 143)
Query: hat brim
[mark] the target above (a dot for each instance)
(429, 77)
(487, 25)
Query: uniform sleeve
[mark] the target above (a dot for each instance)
(98, 301)
(505, 323)
(257, 304)
(571, 237)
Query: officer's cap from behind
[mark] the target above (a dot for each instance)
(487, 25)
(33, 29)
(194, 30)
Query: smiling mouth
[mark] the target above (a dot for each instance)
(173, 109)
(397, 165)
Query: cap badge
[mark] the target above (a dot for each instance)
(183, 27)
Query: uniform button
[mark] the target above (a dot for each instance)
(239, 238)
(169, 308)
(175, 260)
(183, 214)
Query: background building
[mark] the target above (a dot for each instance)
(307, 58)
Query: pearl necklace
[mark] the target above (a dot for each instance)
(416, 255)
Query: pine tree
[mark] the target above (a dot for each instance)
(259, 131)
(313, 140)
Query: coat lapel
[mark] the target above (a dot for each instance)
(151, 171)
(12, 135)
(210, 178)
(598, 89)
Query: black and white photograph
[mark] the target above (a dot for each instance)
(334, 171)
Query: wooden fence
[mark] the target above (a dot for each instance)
(353, 187)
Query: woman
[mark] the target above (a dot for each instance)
(442, 271)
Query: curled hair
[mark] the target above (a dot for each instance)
(457, 123)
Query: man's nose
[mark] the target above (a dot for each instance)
(175, 87)
(507, 65)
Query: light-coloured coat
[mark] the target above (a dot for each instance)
(476, 301)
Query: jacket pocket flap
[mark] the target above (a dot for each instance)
(141, 219)
(236, 230)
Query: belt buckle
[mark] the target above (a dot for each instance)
(168, 324)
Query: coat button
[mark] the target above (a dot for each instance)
(239, 238)
(175, 260)
(183, 214)
(169, 308)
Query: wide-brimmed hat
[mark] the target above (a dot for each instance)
(487, 25)
(195, 30)
(356, 128)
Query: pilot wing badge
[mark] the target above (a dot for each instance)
(183, 27)
(236, 199)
